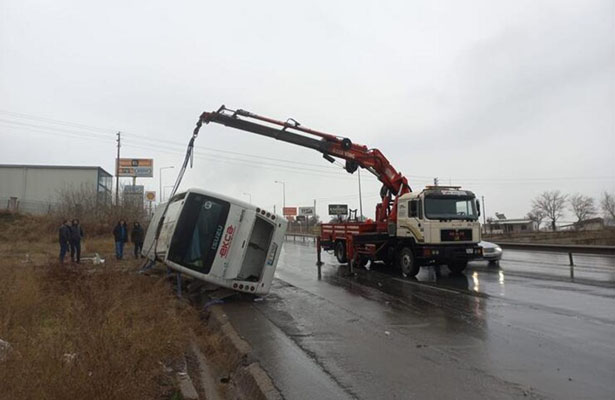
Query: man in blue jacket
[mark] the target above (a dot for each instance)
(120, 233)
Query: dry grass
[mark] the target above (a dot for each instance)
(83, 331)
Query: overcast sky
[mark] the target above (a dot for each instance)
(506, 98)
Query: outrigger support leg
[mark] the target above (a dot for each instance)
(318, 262)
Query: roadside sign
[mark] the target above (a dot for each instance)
(136, 167)
(287, 211)
(338, 209)
(301, 218)
(150, 196)
(307, 211)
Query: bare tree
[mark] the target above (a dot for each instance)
(608, 205)
(582, 206)
(552, 204)
(536, 216)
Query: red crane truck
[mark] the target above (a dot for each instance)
(438, 225)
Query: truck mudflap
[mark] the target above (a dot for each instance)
(444, 254)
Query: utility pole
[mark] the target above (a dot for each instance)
(117, 171)
(360, 196)
(314, 215)
(283, 194)
(484, 211)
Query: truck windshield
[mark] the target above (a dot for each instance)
(198, 232)
(448, 207)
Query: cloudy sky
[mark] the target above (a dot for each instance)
(506, 98)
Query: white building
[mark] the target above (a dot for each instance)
(500, 226)
(35, 188)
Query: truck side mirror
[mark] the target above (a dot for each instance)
(478, 207)
(413, 209)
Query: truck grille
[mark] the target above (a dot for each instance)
(456, 235)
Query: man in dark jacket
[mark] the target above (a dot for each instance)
(64, 238)
(76, 234)
(137, 236)
(120, 233)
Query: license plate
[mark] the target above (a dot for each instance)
(469, 251)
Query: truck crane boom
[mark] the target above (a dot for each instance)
(355, 155)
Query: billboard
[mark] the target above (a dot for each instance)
(287, 211)
(307, 211)
(338, 209)
(133, 194)
(136, 167)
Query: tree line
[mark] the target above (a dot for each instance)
(550, 206)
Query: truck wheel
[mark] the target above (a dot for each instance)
(340, 252)
(457, 267)
(406, 262)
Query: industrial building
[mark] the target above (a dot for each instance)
(36, 188)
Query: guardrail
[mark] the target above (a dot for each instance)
(547, 248)
(303, 236)
(561, 248)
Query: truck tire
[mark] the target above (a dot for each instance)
(406, 262)
(340, 252)
(457, 267)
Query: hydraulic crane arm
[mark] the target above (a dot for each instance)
(329, 145)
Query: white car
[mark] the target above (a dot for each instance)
(491, 252)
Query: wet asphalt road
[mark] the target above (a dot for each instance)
(521, 331)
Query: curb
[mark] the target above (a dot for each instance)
(250, 378)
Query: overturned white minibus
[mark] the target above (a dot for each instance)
(217, 239)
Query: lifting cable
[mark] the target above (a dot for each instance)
(188, 158)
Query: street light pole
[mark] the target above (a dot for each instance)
(249, 196)
(283, 194)
(360, 196)
(160, 177)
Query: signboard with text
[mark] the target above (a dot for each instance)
(338, 209)
(287, 211)
(307, 211)
(136, 167)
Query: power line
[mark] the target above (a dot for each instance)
(109, 135)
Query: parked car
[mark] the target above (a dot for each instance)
(491, 252)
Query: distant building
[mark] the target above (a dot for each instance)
(592, 224)
(500, 226)
(35, 188)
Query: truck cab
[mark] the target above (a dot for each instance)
(217, 239)
(442, 224)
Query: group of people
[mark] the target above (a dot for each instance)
(120, 234)
(70, 236)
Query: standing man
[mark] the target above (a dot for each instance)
(136, 236)
(76, 234)
(64, 237)
(120, 233)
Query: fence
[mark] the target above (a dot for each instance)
(26, 206)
